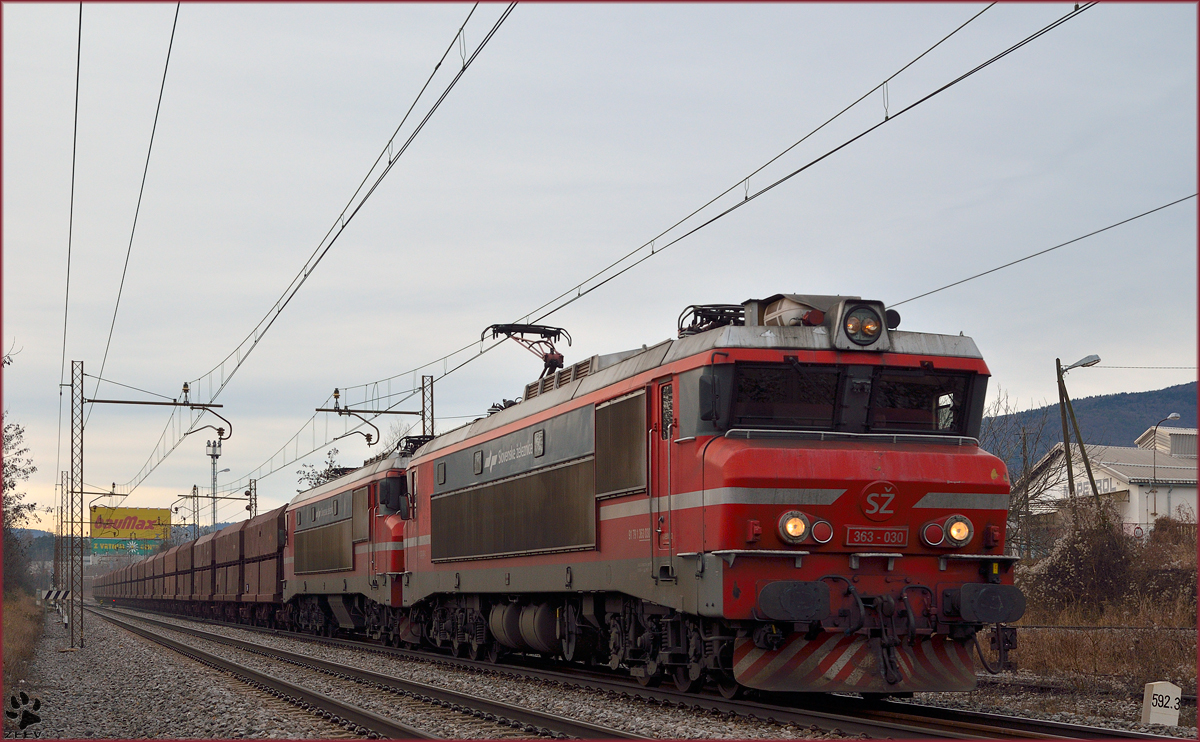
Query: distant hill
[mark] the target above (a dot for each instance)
(31, 532)
(1111, 419)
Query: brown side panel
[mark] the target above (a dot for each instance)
(546, 510)
(325, 549)
(253, 571)
(270, 579)
(621, 446)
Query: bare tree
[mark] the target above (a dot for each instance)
(18, 466)
(313, 477)
(1017, 437)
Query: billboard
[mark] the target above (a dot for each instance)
(124, 546)
(131, 523)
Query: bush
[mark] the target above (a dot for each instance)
(1089, 568)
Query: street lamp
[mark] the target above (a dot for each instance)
(1154, 460)
(212, 449)
(1065, 408)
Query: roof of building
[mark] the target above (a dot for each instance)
(1169, 440)
(1138, 465)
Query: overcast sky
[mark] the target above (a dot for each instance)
(578, 134)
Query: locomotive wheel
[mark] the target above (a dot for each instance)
(478, 651)
(493, 652)
(684, 681)
(730, 688)
(650, 681)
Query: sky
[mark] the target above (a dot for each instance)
(578, 134)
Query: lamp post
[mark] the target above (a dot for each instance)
(213, 451)
(1154, 461)
(1065, 409)
(215, 498)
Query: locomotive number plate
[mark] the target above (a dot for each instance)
(876, 536)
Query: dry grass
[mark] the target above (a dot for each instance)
(23, 623)
(1127, 658)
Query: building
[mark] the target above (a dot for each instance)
(1155, 478)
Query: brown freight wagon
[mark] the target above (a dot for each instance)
(202, 568)
(170, 567)
(229, 563)
(262, 580)
(156, 566)
(183, 577)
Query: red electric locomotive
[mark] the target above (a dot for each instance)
(789, 497)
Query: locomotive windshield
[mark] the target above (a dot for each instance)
(852, 399)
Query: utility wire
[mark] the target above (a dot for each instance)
(578, 288)
(242, 352)
(756, 171)
(581, 292)
(1043, 252)
(115, 383)
(1154, 368)
(137, 209)
(62, 369)
(764, 166)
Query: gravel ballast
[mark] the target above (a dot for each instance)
(120, 686)
(594, 706)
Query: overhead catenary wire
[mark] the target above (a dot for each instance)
(116, 383)
(137, 210)
(347, 214)
(62, 370)
(173, 426)
(1043, 252)
(578, 291)
(746, 180)
(742, 181)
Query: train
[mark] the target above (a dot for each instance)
(788, 496)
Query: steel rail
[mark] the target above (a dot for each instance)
(528, 719)
(895, 719)
(357, 717)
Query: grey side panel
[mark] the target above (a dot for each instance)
(378, 589)
(621, 446)
(324, 512)
(565, 437)
(695, 591)
(551, 509)
(325, 549)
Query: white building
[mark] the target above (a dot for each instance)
(1154, 479)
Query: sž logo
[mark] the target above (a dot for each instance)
(878, 501)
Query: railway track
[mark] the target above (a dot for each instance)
(496, 719)
(877, 719)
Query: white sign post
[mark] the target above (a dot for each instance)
(1160, 704)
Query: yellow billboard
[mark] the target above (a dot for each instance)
(131, 523)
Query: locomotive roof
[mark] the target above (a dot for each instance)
(609, 369)
(395, 461)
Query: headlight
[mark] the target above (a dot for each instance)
(793, 527)
(822, 532)
(862, 326)
(958, 530)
